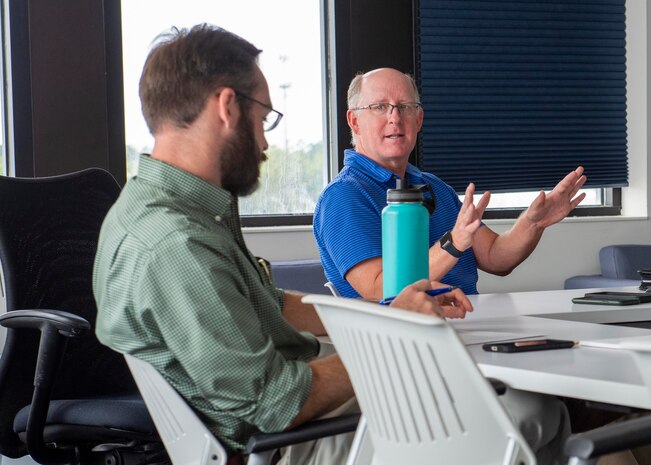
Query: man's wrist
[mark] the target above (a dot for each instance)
(531, 224)
(448, 245)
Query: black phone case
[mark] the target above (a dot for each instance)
(642, 296)
(523, 346)
(607, 300)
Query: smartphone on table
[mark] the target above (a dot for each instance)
(642, 296)
(528, 346)
(613, 298)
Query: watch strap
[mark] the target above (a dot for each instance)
(448, 246)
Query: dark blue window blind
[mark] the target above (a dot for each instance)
(518, 93)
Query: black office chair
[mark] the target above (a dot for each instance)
(85, 406)
(64, 397)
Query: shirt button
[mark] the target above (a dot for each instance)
(218, 219)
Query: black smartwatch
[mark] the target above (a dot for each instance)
(446, 244)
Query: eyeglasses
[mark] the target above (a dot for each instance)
(273, 117)
(407, 109)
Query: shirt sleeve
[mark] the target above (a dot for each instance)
(349, 225)
(196, 303)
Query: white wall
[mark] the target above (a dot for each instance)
(570, 247)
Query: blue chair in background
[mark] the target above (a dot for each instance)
(619, 267)
(300, 275)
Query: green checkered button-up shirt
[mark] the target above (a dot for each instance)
(176, 286)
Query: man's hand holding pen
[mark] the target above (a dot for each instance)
(431, 292)
(452, 303)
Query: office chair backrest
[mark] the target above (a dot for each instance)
(186, 438)
(49, 229)
(422, 395)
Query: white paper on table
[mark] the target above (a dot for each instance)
(475, 336)
(640, 343)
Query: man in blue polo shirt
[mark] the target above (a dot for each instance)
(385, 116)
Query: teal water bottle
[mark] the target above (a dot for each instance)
(405, 237)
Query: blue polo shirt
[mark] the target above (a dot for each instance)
(348, 221)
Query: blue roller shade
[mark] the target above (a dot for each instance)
(518, 93)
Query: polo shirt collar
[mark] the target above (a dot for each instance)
(356, 160)
(214, 200)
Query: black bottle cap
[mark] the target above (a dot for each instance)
(403, 193)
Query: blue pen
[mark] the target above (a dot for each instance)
(432, 292)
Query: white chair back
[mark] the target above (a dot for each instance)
(186, 438)
(423, 397)
(332, 288)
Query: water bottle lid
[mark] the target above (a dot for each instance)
(404, 193)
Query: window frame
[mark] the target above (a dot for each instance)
(612, 208)
(612, 196)
(5, 64)
(540, 87)
(44, 130)
(347, 27)
(350, 52)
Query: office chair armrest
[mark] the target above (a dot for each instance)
(610, 438)
(67, 324)
(260, 442)
(56, 327)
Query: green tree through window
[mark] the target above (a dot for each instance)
(293, 177)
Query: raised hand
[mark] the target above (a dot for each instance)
(548, 209)
(469, 218)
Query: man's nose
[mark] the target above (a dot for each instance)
(393, 113)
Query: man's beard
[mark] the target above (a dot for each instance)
(241, 160)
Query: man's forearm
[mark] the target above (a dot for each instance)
(331, 387)
(302, 317)
(512, 247)
(440, 262)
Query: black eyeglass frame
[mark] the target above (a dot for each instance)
(404, 105)
(278, 115)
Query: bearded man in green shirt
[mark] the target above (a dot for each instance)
(174, 282)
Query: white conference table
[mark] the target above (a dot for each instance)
(619, 376)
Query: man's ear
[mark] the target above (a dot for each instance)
(228, 108)
(351, 117)
(421, 115)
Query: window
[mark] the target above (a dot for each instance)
(518, 94)
(292, 62)
(594, 197)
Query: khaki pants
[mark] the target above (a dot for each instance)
(543, 421)
(620, 458)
